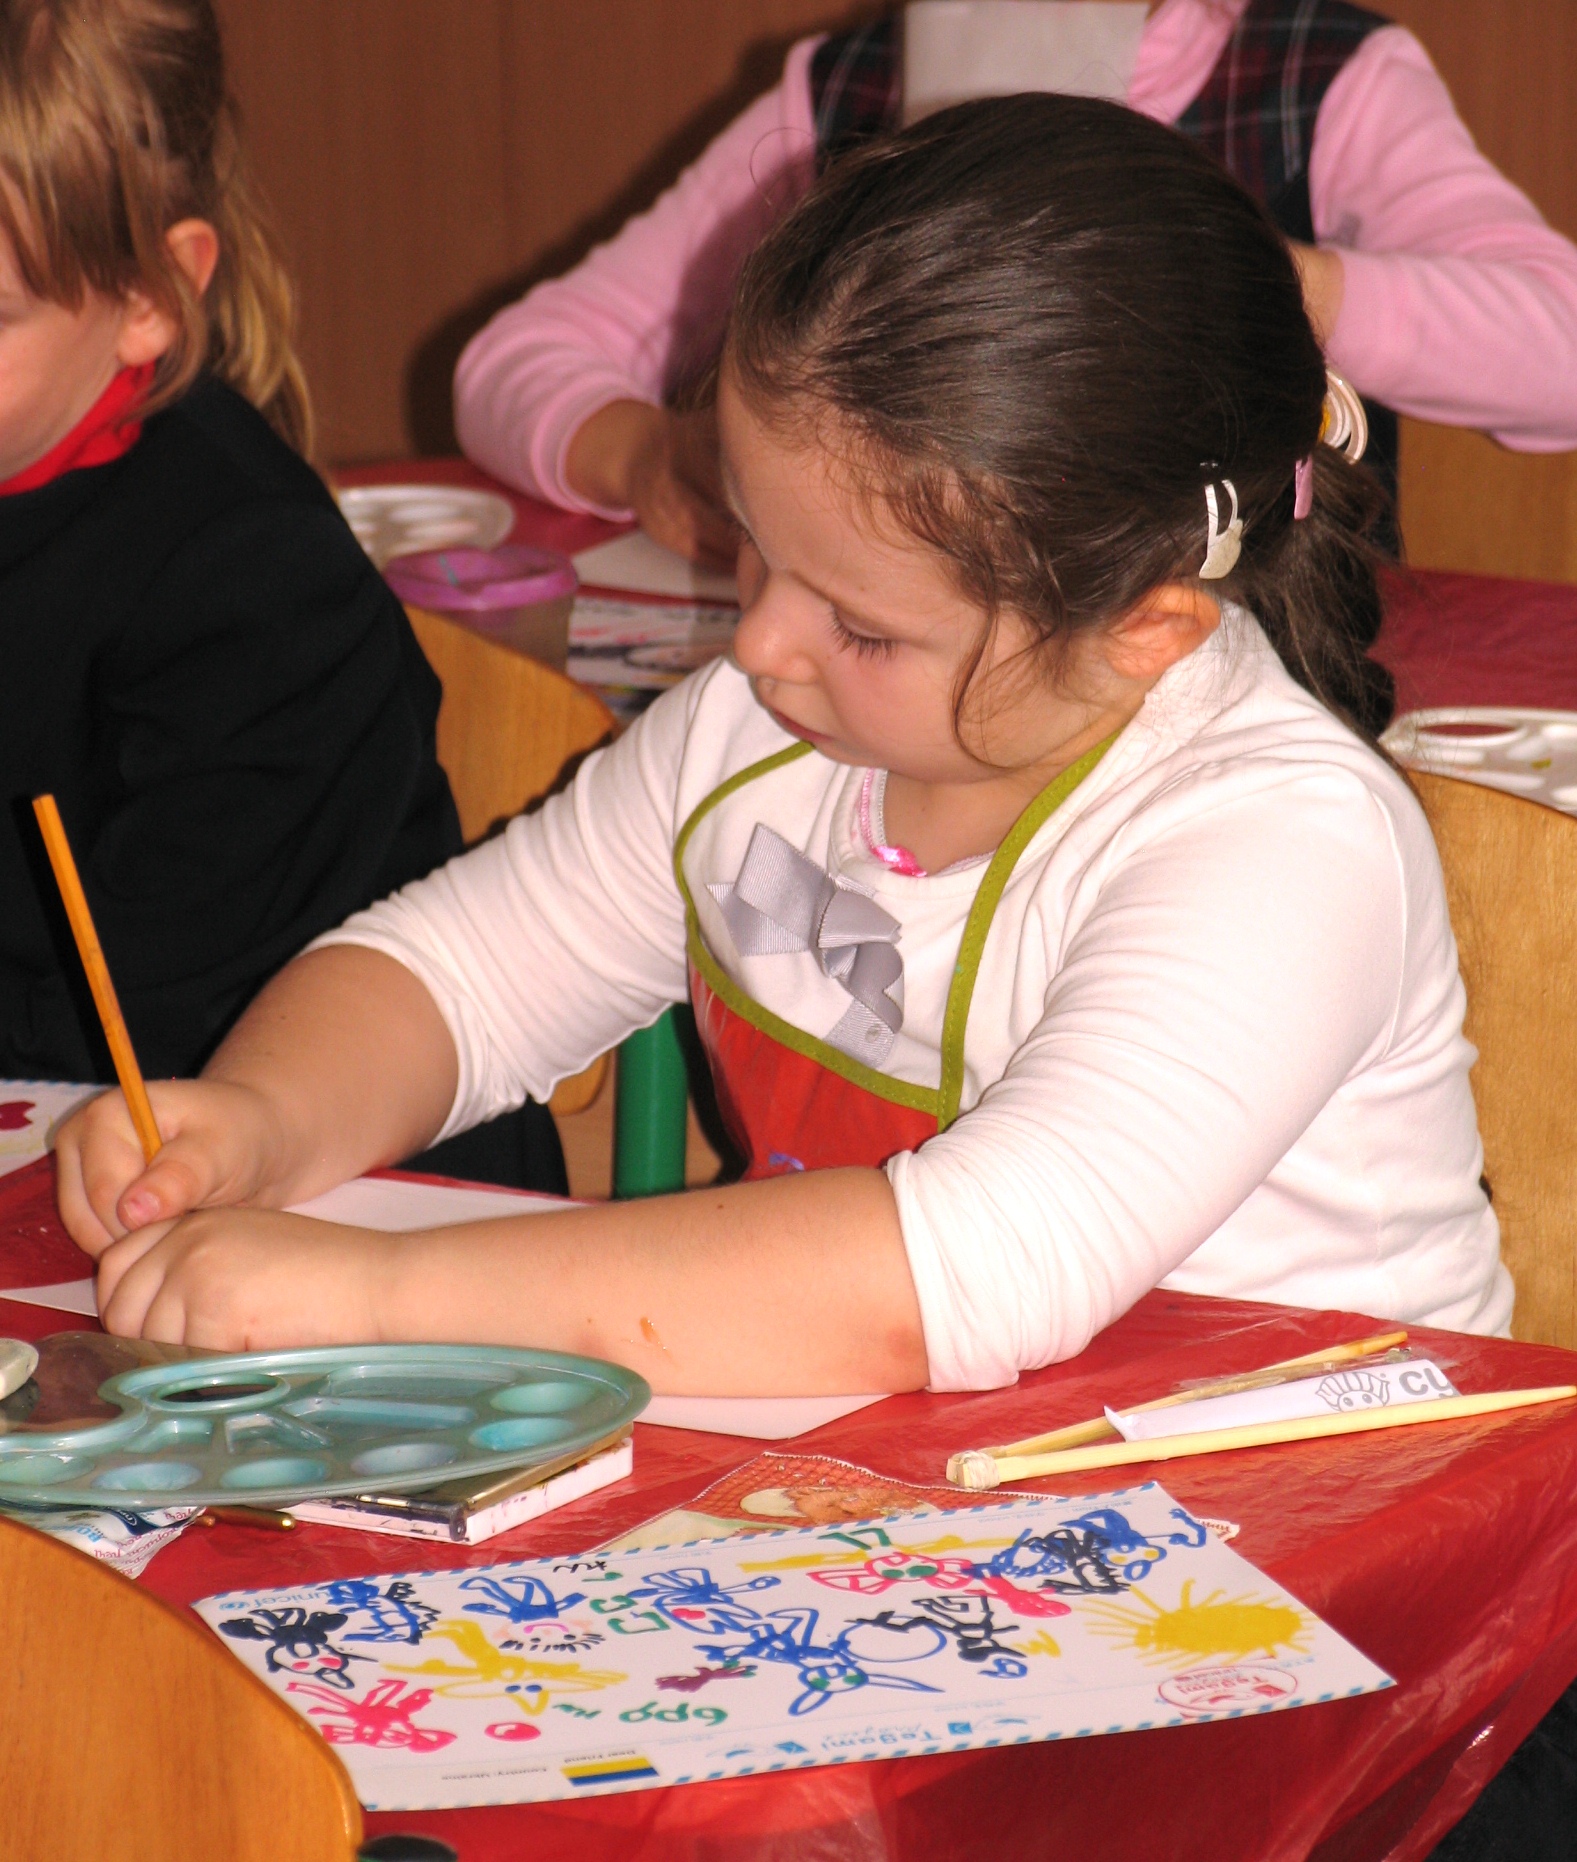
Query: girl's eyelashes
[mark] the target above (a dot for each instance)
(867, 646)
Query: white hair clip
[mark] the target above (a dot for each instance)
(1224, 542)
(1344, 425)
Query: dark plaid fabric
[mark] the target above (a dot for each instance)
(1256, 112)
(854, 87)
(1256, 116)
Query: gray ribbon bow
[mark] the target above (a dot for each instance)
(783, 903)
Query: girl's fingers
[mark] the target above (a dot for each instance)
(133, 1284)
(180, 1178)
(122, 1256)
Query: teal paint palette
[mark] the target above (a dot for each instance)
(274, 1427)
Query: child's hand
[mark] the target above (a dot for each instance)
(246, 1280)
(1324, 281)
(664, 467)
(219, 1144)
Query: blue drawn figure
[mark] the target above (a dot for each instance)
(1100, 1553)
(393, 1614)
(519, 1598)
(1068, 1559)
(854, 1658)
(968, 1621)
(298, 1643)
(1132, 1554)
(693, 1599)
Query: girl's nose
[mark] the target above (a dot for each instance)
(774, 633)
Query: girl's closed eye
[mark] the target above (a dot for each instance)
(866, 646)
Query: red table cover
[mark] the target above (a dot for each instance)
(1446, 1553)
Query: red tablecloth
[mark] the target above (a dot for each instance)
(1448, 1554)
(1449, 639)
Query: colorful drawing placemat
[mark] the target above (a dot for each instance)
(936, 1632)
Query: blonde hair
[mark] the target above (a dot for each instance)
(115, 124)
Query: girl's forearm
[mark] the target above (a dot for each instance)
(800, 1284)
(353, 1061)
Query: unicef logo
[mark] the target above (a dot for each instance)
(1349, 1390)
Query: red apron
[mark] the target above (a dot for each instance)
(789, 1100)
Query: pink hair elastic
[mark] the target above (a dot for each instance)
(1303, 489)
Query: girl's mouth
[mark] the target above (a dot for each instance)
(802, 731)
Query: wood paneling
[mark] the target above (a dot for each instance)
(1512, 68)
(429, 159)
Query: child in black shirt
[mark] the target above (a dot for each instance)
(195, 655)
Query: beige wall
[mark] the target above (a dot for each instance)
(430, 158)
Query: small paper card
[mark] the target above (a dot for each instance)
(568, 1677)
(1378, 1386)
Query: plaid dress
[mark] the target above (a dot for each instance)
(1255, 114)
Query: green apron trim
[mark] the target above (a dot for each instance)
(722, 985)
(971, 946)
(942, 1102)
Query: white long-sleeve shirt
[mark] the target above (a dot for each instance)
(1459, 305)
(1215, 1043)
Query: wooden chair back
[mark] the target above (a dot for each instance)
(508, 725)
(507, 729)
(130, 1732)
(1511, 884)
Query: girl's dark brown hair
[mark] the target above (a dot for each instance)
(1037, 327)
(115, 123)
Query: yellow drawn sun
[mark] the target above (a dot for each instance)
(1218, 1628)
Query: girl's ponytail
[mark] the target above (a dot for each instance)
(250, 302)
(1316, 595)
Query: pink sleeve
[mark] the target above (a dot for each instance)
(1460, 303)
(639, 312)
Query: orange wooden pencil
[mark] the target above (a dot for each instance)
(104, 999)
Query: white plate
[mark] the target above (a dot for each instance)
(1531, 753)
(399, 520)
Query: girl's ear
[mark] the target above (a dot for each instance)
(1165, 627)
(147, 330)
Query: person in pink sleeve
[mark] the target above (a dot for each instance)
(1435, 284)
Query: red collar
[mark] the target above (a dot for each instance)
(102, 434)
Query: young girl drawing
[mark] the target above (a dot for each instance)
(1052, 930)
(198, 660)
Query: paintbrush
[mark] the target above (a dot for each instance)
(104, 998)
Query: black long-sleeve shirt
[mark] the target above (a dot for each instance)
(237, 722)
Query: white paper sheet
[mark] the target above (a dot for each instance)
(636, 563)
(1377, 1386)
(766, 1419)
(569, 1677)
(63, 1296)
(954, 50)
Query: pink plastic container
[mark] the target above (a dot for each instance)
(516, 595)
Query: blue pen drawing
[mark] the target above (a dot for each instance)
(393, 1614)
(297, 1643)
(519, 1598)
